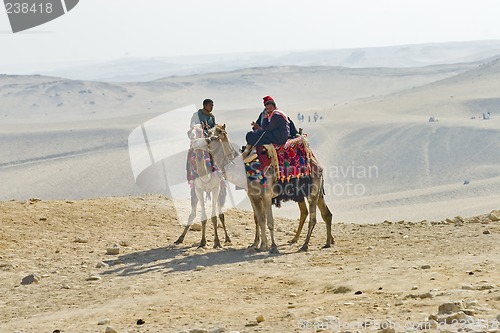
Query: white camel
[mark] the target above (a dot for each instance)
(205, 181)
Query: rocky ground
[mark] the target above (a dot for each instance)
(57, 273)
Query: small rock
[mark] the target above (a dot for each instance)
(140, 322)
(110, 329)
(359, 292)
(124, 243)
(113, 249)
(93, 278)
(414, 288)
(200, 268)
(217, 330)
(101, 264)
(251, 324)
(268, 260)
(197, 330)
(260, 318)
(81, 240)
(494, 217)
(32, 278)
(195, 227)
(425, 266)
(103, 322)
(449, 308)
(486, 232)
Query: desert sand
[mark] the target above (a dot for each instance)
(393, 274)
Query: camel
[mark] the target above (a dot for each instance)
(261, 198)
(206, 181)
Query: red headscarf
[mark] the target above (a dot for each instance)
(267, 99)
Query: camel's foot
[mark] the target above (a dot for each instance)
(274, 249)
(304, 248)
(254, 246)
(227, 240)
(179, 241)
(294, 240)
(203, 244)
(262, 248)
(217, 244)
(327, 246)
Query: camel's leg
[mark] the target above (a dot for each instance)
(203, 242)
(270, 223)
(223, 221)
(303, 216)
(192, 215)
(215, 197)
(313, 202)
(327, 217)
(257, 235)
(258, 208)
(181, 237)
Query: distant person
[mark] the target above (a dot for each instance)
(309, 118)
(316, 116)
(273, 126)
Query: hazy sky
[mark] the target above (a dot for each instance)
(107, 29)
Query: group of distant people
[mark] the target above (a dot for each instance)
(315, 117)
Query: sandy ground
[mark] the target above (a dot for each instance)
(396, 273)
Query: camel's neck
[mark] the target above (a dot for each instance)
(223, 152)
(201, 164)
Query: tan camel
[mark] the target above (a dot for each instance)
(261, 197)
(206, 181)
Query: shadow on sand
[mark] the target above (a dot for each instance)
(178, 259)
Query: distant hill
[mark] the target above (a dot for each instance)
(295, 87)
(146, 69)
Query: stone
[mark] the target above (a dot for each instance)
(195, 227)
(493, 217)
(81, 240)
(30, 279)
(260, 319)
(110, 329)
(93, 278)
(449, 308)
(113, 249)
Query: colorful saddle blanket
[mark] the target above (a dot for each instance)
(200, 155)
(296, 162)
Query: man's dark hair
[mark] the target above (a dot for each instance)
(207, 101)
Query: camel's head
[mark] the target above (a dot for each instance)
(218, 132)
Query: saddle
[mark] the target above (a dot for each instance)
(294, 163)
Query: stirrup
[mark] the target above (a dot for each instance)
(250, 158)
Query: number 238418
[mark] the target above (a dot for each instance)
(25, 8)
